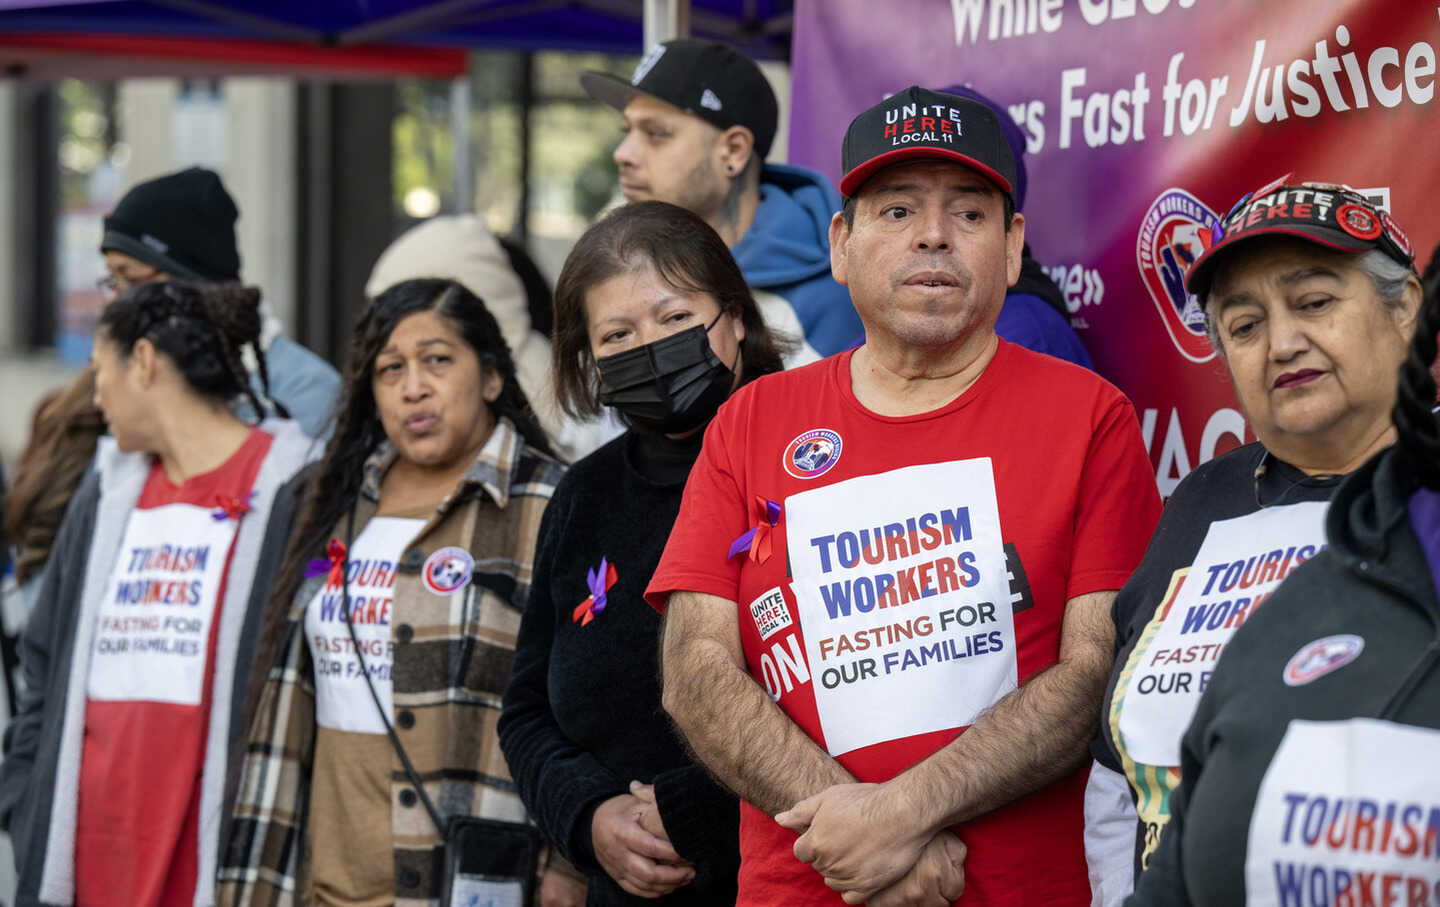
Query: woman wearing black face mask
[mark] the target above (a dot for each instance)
(652, 317)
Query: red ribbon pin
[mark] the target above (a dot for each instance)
(228, 508)
(333, 565)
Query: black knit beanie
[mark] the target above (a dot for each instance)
(182, 223)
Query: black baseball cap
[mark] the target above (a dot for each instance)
(709, 79)
(1328, 214)
(918, 123)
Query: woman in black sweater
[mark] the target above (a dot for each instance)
(652, 317)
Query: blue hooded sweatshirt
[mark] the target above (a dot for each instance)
(786, 252)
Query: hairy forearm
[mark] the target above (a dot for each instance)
(750, 745)
(732, 725)
(1029, 739)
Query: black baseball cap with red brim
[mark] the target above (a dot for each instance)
(919, 124)
(1331, 215)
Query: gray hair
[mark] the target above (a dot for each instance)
(1387, 276)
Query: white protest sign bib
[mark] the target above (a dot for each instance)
(1240, 562)
(342, 697)
(904, 601)
(153, 629)
(1347, 814)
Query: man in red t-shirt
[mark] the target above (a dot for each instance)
(895, 566)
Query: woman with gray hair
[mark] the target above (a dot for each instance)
(1310, 297)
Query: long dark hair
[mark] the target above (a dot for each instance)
(62, 446)
(357, 428)
(1417, 429)
(687, 253)
(200, 327)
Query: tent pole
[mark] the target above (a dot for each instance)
(40, 140)
(463, 163)
(527, 104)
(666, 19)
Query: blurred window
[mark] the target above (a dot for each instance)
(571, 176)
(92, 160)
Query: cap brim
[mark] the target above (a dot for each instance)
(114, 240)
(608, 89)
(1198, 277)
(853, 180)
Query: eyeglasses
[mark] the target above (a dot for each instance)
(111, 285)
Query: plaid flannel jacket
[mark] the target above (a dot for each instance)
(453, 657)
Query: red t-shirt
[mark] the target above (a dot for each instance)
(150, 686)
(919, 571)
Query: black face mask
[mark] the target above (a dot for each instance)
(672, 385)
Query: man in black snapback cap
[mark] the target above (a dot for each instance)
(707, 79)
(964, 708)
(182, 226)
(700, 118)
(918, 124)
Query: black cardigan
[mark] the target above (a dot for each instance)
(582, 715)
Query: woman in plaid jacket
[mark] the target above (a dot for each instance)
(420, 525)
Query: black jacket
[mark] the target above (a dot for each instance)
(1373, 582)
(582, 714)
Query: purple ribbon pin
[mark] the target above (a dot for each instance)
(599, 580)
(595, 578)
(756, 539)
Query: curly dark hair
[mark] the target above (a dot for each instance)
(687, 253)
(200, 327)
(357, 429)
(1417, 429)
